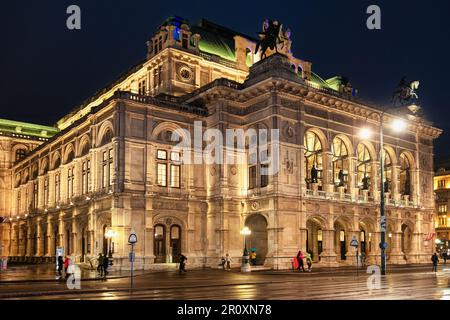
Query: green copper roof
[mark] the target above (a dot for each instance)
(213, 43)
(216, 39)
(23, 129)
(316, 79)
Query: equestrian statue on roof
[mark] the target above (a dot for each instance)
(271, 37)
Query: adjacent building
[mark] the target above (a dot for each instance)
(442, 221)
(112, 164)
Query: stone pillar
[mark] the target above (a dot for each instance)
(352, 172)
(415, 189)
(328, 255)
(351, 251)
(417, 254)
(50, 239)
(327, 174)
(375, 178)
(395, 187)
(39, 240)
(28, 252)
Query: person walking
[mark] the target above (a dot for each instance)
(228, 262)
(444, 256)
(300, 258)
(435, 260)
(363, 259)
(60, 265)
(182, 263)
(100, 264)
(66, 265)
(105, 263)
(309, 261)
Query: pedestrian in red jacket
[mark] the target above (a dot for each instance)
(66, 266)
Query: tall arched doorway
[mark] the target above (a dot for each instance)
(175, 243)
(340, 240)
(314, 238)
(160, 243)
(258, 238)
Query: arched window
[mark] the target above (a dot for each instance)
(405, 175)
(20, 154)
(107, 137)
(364, 167)
(70, 157)
(85, 150)
(387, 183)
(57, 163)
(340, 162)
(313, 157)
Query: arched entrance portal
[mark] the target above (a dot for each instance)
(258, 238)
(314, 238)
(167, 243)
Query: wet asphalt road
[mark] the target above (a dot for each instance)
(404, 283)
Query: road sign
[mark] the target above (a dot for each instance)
(383, 224)
(354, 242)
(132, 239)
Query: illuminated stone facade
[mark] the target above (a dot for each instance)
(111, 165)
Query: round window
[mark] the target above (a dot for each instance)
(185, 74)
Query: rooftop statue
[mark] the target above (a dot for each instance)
(405, 92)
(271, 37)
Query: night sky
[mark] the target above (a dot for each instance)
(47, 70)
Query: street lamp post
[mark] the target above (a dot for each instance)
(110, 235)
(398, 126)
(245, 267)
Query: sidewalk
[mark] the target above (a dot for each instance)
(48, 273)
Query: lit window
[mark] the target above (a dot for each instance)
(107, 168)
(20, 154)
(70, 182)
(174, 176)
(85, 176)
(162, 174)
(162, 155)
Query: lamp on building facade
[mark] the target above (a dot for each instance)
(245, 267)
(110, 235)
(397, 125)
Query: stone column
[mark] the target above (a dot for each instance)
(395, 187)
(328, 255)
(327, 178)
(375, 178)
(351, 251)
(396, 253)
(50, 241)
(415, 189)
(28, 252)
(352, 183)
(39, 240)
